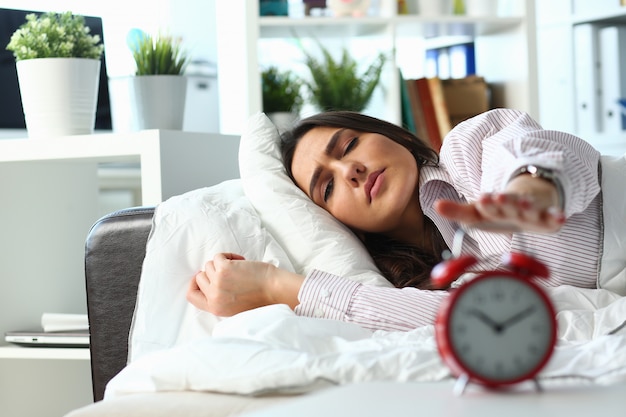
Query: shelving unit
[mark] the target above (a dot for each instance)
(50, 197)
(505, 52)
(16, 352)
(557, 90)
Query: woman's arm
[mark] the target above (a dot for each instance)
(230, 285)
(482, 154)
(527, 204)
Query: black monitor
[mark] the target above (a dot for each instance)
(11, 113)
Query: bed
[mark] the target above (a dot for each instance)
(183, 361)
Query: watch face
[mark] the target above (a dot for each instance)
(501, 329)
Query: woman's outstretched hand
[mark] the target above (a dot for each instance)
(229, 284)
(528, 204)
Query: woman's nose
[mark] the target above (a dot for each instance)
(353, 172)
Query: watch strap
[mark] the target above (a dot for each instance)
(545, 174)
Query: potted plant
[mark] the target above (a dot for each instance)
(338, 85)
(58, 69)
(282, 98)
(159, 86)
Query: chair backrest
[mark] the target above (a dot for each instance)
(114, 253)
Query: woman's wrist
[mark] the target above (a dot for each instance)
(546, 175)
(284, 287)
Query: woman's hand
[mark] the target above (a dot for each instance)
(229, 285)
(528, 204)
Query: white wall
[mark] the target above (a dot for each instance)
(193, 20)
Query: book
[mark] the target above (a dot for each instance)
(462, 60)
(416, 109)
(57, 322)
(408, 121)
(587, 78)
(465, 97)
(428, 113)
(612, 42)
(440, 107)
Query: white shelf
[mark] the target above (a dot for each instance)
(50, 199)
(557, 70)
(616, 16)
(17, 352)
(505, 52)
(160, 153)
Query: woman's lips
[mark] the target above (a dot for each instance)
(372, 185)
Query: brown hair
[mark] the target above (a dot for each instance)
(402, 264)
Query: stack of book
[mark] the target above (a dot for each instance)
(56, 322)
(431, 107)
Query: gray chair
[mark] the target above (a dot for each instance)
(114, 253)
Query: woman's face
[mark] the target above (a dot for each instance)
(365, 180)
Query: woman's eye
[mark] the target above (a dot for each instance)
(328, 190)
(351, 145)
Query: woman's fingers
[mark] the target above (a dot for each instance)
(203, 281)
(195, 295)
(464, 213)
(503, 213)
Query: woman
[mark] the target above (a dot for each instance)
(498, 174)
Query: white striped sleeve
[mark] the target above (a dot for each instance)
(325, 295)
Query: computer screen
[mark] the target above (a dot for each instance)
(11, 113)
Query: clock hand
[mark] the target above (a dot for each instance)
(495, 326)
(517, 317)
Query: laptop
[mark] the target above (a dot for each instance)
(39, 338)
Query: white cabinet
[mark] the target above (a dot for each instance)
(568, 71)
(505, 51)
(49, 190)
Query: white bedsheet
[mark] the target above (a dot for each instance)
(272, 350)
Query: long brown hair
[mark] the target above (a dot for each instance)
(402, 264)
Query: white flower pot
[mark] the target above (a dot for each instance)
(159, 101)
(59, 95)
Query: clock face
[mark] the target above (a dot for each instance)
(501, 329)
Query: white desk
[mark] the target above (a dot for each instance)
(380, 399)
(49, 196)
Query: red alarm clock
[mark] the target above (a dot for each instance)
(499, 328)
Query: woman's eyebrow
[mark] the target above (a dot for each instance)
(330, 146)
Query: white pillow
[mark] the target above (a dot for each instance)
(311, 236)
(189, 230)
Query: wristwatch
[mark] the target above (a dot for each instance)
(545, 174)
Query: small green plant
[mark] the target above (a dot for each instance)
(338, 85)
(281, 91)
(54, 35)
(159, 55)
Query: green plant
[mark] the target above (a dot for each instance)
(54, 35)
(159, 55)
(281, 91)
(337, 85)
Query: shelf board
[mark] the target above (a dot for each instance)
(429, 27)
(406, 25)
(285, 27)
(18, 352)
(617, 16)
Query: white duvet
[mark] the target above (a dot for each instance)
(273, 350)
(264, 216)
